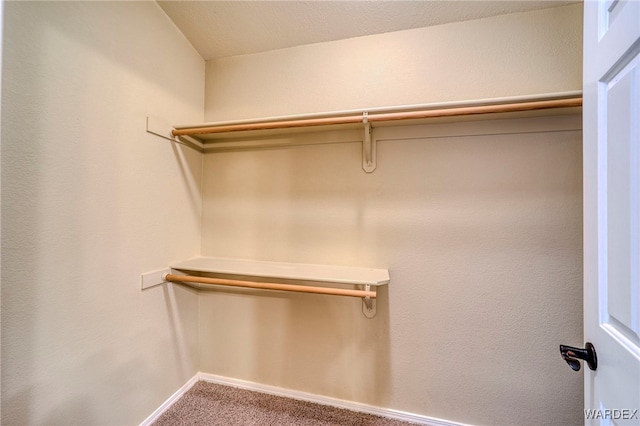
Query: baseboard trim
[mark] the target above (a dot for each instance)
(301, 396)
(169, 402)
(324, 400)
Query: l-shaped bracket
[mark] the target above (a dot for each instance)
(369, 150)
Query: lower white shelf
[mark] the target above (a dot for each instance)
(287, 271)
(193, 272)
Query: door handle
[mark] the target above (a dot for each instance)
(573, 355)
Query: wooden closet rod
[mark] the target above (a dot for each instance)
(270, 286)
(379, 117)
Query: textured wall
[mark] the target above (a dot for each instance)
(86, 208)
(457, 61)
(482, 236)
(481, 233)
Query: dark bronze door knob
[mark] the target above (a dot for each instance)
(574, 355)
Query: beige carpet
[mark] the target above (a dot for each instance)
(212, 404)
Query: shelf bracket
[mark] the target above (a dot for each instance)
(368, 304)
(161, 128)
(368, 146)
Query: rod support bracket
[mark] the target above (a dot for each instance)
(368, 304)
(368, 146)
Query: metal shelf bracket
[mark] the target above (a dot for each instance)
(368, 146)
(368, 304)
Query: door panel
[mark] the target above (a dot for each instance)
(620, 121)
(611, 156)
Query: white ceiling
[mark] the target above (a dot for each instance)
(229, 28)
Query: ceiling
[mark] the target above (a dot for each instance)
(229, 28)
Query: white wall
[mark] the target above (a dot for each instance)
(457, 61)
(89, 202)
(479, 224)
(481, 234)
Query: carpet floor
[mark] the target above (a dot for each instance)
(212, 404)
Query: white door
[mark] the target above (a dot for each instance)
(611, 158)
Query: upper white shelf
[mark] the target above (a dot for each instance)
(342, 126)
(289, 271)
(544, 103)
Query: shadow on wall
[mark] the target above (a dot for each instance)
(319, 344)
(325, 345)
(176, 325)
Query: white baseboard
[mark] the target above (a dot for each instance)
(169, 402)
(301, 396)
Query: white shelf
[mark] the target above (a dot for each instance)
(549, 103)
(288, 271)
(357, 125)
